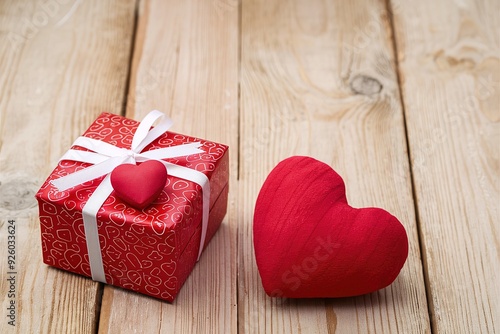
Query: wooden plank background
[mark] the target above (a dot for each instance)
(450, 80)
(299, 86)
(186, 65)
(60, 66)
(401, 98)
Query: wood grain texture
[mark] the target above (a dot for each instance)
(449, 55)
(186, 65)
(60, 66)
(318, 78)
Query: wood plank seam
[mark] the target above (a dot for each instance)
(131, 59)
(185, 64)
(123, 108)
(239, 157)
(449, 66)
(390, 14)
(59, 74)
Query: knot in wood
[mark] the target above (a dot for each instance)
(17, 194)
(365, 85)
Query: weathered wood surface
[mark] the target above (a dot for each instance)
(401, 98)
(186, 65)
(309, 87)
(449, 63)
(59, 68)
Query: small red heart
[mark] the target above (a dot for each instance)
(310, 243)
(139, 185)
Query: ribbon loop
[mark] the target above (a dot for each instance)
(105, 157)
(144, 136)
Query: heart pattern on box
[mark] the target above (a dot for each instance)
(122, 245)
(310, 243)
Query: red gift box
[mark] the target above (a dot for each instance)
(152, 250)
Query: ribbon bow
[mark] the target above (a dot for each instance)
(106, 157)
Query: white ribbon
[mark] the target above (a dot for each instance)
(106, 157)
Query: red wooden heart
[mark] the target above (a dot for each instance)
(139, 185)
(310, 243)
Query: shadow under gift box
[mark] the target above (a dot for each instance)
(153, 250)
